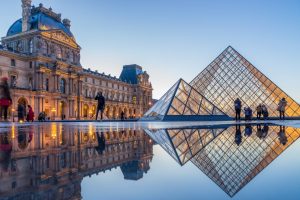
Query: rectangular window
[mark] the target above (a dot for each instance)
(47, 84)
(30, 64)
(13, 62)
(13, 81)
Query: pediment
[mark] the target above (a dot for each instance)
(61, 37)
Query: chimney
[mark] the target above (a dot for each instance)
(26, 12)
(67, 23)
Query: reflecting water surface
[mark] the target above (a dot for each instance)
(85, 161)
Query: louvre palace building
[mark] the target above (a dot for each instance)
(41, 59)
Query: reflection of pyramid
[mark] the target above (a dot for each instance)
(182, 102)
(215, 152)
(183, 144)
(230, 76)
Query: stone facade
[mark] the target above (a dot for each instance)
(41, 59)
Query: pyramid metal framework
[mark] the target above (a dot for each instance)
(231, 76)
(183, 102)
(216, 153)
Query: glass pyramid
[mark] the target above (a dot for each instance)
(231, 76)
(183, 102)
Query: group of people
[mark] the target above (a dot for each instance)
(261, 110)
(6, 102)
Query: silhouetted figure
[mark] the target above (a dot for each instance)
(248, 113)
(281, 134)
(238, 108)
(101, 143)
(281, 108)
(122, 116)
(101, 104)
(42, 117)
(5, 98)
(30, 114)
(259, 132)
(21, 112)
(265, 130)
(238, 135)
(248, 130)
(259, 111)
(5, 151)
(265, 112)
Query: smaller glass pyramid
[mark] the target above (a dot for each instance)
(183, 102)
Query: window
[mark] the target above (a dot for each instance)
(86, 92)
(13, 62)
(47, 84)
(58, 53)
(30, 64)
(63, 86)
(13, 81)
(86, 79)
(30, 46)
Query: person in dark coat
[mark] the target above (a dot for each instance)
(5, 98)
(281, 108)
(122, 116)
(238, 108)
(30, 115)
(258, 111)
(21, 112)
(101, 104)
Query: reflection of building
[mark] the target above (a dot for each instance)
(41, 58)
(228, 77)
(231, 164)
(50, 161)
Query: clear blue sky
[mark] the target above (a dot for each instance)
(176, 38)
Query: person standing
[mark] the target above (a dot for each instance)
(281, 108)
(5, 98)
(238, 108)
(258, 111)
(21, 112)
(101, 104)
(30, 115)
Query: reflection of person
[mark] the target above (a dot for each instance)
(238, 135)
(259, 131)
(265, 130)
(101, 143)
(5, 151)
(281, 134)
(238, 108)
(101, 104)
(248, 130)
(5, 98)
(281, 108)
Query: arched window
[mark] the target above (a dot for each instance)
(63, 86)
(30, 46)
